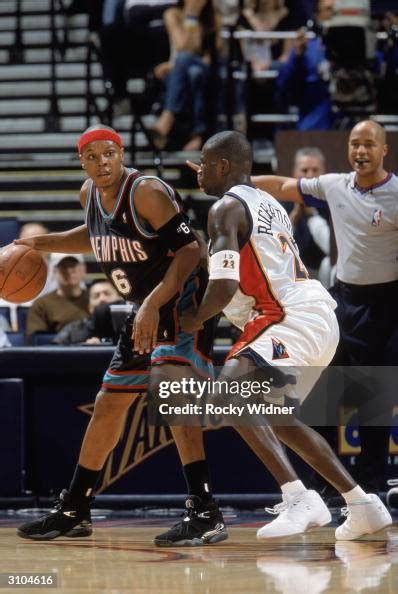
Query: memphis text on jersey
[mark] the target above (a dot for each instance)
(112, 248)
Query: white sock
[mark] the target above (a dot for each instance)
(356, 495)
(293, 487)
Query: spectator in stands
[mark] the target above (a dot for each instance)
(265, 15)
(4, 327)
(98, 326)
(354, 67)
(132, 40)
(68, 302)
(228, 10)
(311, 229)
(28, 230)
(108, 21)
(192, 30)
(303, 79)
(388, 92)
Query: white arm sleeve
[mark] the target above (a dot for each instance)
(320, 232)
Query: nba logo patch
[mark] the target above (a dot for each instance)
(376, 220)
(279, 350)
(124, 217)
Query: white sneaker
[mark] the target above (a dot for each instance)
(297, 513)
(364, 517)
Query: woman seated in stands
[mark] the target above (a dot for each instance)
(265, 15)
(191, 26)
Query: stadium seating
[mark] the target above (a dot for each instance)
(17, 339)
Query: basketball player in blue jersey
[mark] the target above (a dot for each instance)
(146, 247)
(288, 329)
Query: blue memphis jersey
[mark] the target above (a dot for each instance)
(132, 256)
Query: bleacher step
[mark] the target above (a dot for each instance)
(40, 106)
(22, 179)
(43, 55)
(35, 72)
(41, 37)
(43, 88)
(8, 6)
(42, 21)
(47, 216)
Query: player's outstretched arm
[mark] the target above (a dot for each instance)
(224, 220)
(153, 204)
(73, 241)
(281, 188)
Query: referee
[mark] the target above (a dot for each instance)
(364, 210)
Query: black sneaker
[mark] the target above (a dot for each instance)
(202, 524)
(65, 519)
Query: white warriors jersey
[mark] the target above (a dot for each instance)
(272, 276)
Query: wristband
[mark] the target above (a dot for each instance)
(224, 264)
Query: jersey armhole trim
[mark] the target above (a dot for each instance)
(247, 236)
(89, 193)
(144, 232)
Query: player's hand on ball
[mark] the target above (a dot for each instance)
(189, 323)
(145, 328)
(4, 247)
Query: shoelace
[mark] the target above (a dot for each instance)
(58, 501)
(290, 500)
(392, 482)
(277, 509)
(188, 513)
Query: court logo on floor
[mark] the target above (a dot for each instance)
(349, 442)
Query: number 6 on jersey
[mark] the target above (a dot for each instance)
(121, 281)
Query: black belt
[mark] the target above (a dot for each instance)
(370, 293)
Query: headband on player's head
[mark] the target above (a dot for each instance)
(98, 134)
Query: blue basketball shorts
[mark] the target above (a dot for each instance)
(129, 371)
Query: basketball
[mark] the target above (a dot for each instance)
(23, 273)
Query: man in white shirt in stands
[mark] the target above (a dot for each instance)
(309, 161)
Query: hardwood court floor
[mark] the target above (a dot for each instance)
(121, 558)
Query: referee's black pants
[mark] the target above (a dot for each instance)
(368, 320)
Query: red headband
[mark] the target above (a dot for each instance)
(99, 134)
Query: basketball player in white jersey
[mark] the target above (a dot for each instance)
(364, 211)
(287, 322)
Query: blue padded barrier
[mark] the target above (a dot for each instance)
(12, 437)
